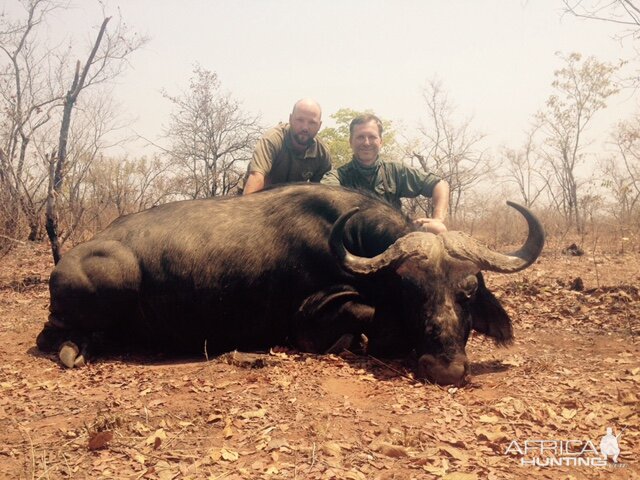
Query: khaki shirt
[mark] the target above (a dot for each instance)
(276, 159)
(389, 180)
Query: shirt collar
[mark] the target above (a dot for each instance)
(365, 168)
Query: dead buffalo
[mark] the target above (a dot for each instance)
(306, 264)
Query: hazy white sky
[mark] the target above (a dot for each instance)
(495, 58)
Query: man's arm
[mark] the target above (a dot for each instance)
(262, 160)
(331, 178)
(440, 199)
(255, 183)
(320, 173)
(412, 182)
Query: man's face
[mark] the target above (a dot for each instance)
(366, 142)
(305, 123)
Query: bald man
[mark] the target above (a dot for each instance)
(291, 152)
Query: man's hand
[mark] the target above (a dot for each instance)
(255, 183)
(431, 225)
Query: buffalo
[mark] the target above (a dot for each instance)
(314, 266)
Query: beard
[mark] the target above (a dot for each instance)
(303, 139)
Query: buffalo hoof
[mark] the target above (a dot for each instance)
(70, 355)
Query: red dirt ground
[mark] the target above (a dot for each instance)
(573, 371)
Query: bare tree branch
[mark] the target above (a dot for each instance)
(448, 149)
(114, 54)
(211, 137)
(583, 88)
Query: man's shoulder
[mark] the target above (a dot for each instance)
(267, 149)
(396, 165)
(321, 143)
(347, 173)
(277, 134)
(322, 148)
(399, 167)
(345, 168)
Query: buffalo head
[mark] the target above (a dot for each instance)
(436, 290)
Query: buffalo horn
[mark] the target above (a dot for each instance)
(361, 265)
(465, 248)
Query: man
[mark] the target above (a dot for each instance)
(389, 180)
(290, 153)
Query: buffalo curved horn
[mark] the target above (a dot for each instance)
(466, 248)
(361, 265)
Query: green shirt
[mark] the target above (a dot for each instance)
(276, 159)
(389, 180)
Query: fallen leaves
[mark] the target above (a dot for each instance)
(393, 451)
(493, 436)
(491, 419)
(460, 476)
(260, 413)
(459, 454)
(229, 455)
(156, 439)
(227, 432)
(100, 440)
(628, 398)
(332, 449)
(572, 372)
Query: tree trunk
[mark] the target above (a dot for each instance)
(51, 224)
(56, 165)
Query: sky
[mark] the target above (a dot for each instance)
(494, 58)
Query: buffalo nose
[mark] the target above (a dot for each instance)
(444, 371)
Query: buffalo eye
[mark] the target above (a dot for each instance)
(468, 287)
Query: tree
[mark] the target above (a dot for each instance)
(524, 169)
(625, 13)
(106, 60)
(31, 91)
(113, 187)
(337, 138)
(622, 172)
(450, 150)
(211, 137)
(582, 90)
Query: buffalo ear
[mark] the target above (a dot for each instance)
(488, 316)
